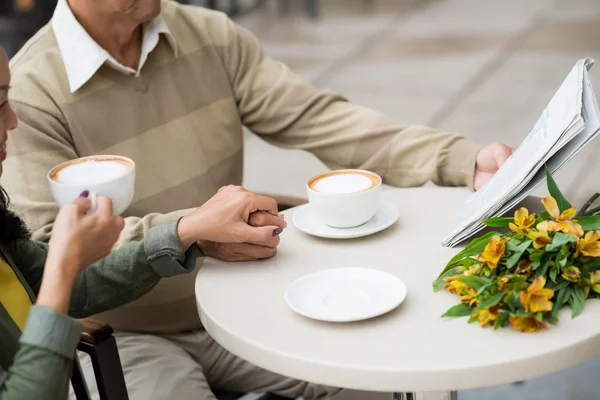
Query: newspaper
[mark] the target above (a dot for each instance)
(569, 122)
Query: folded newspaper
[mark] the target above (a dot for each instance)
(569, 122)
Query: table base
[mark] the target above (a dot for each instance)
(413, 396)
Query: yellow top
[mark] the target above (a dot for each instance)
(13, 295)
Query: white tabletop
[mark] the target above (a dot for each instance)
(410, 349)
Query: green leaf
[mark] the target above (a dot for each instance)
(537, 255)
(555, 192)
(522, 314)
(476, 282)
(501, 320)
(514, 259)
(513, 244)
(459, 310)
(559, 286)
(576, 301)
(474, 248)
(553, 274)
(559, 240)
(561, 261)
(539, 316)
(535, 265)
(484, 287)
(542, 216)
(440, 283)
(591, 223)
(492, 301)
(542, 271)
(561, 299)
(499, 222)
(513, 302)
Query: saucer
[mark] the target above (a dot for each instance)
(306, 221)
(345, 294)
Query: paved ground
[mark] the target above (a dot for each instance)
(484, 68)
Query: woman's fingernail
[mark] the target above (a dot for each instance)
(277, 232)
(85, 193)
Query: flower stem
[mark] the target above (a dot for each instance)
(583, 210)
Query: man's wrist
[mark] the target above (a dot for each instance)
(187, 232)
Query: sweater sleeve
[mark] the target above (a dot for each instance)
(125, 275)
(277, 105)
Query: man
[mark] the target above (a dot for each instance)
(171, 86)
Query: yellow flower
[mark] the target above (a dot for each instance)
(527, 324)
(493, 251)
(465, 293)
(540, 238)
(536, 297)
(595, 281)
(562, 222)
(589, 245)
(524, 267)
(468, 296)
(586, 287)
(502, 281)
(473, 270)
(571, 274)
(523, 221)
(486, 315)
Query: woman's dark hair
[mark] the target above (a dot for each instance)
(11, 226)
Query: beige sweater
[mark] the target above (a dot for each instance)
(181, 122)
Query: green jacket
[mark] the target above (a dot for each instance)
(37, 363)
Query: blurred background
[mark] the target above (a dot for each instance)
(483, 68)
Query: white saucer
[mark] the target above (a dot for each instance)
(345, 294)
(307, 222)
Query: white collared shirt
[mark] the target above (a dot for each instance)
(81, 54)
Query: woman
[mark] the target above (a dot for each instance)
(41, 285)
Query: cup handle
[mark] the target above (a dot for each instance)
(92, 197)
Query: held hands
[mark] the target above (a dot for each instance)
(233, 225)
(489, 160)
(247, 251)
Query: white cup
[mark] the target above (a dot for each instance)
(345, 210)
(119, 189)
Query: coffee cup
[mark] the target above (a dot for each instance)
(345, 198)
(102, 175)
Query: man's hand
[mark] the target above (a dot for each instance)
(489, 160)
(247, 251)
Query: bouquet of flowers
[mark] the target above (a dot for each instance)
(525, 275)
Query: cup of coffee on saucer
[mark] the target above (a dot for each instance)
(345, 204)
(345, 198)
(105, 175)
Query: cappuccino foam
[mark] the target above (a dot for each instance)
(91, 172)
(343, 184)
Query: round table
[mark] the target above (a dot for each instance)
(410, 349)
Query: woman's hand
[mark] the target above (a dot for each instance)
(78, 240)
(225, 219)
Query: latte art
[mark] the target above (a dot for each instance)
(90, 171)
(344, 182)
(344, 198)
